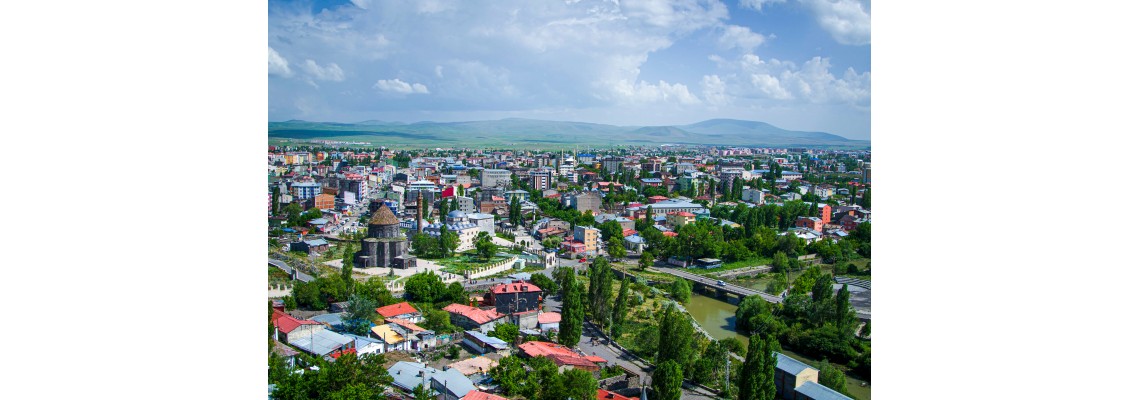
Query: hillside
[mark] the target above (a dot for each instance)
(516, 132)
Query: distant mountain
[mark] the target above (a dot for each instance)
(528, 132)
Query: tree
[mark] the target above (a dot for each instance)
(484, 246)
(667, 380)
(510, 375)
(348, 377)
(346, 269)
(276, 199)
(508, 332)
(832, 377)
(551, 242)
(444, 207)
(615, 247)
(425, 246)
(544, 282)
(646, 260)
(759, 382)
(578, 385)
(573, 313)
(425, 287)
(681, 290)
(778, 283)
(448, 241)
(865, 202)
(675, 342)
(360, 312)
(601, 290)
(621, 305)
(865, 331)
(779, 262)
(376, 290)
(610, 229)
(422, 392)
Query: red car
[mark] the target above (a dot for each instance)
(582, 260)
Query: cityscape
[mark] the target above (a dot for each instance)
(467, 273)
(569, 200)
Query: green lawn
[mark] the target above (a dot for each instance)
(463, 262)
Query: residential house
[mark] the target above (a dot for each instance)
(811, 390)
(813, 223)
(548, 321)
(449, 384)
(588, 236)
(562, 356)
(677, 219)
(403, 311)
(469, 317)
(480, 343)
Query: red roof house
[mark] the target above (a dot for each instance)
(400, 310)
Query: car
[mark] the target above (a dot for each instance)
(720, 283)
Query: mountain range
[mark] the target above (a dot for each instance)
(514, 132)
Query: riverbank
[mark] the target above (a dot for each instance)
(718, 318)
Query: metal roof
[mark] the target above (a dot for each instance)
(819, 392)
(320, 342)
(790, 365)
(488, 340)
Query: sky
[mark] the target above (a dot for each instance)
(797, 64)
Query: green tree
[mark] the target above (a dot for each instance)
(361, 310)
(425, 287)
(759, 381)
(573, 313)
(444, 207)
(832, 377)
(510, 375)
(779, 262)
(422, 392)
(544, 282)
(681, 290)
(508, 332)
(579, 385)
(348, 377)
(675, 342)
(667, 380)
(778, 283)
(448, 241)
(610, 229)
(484, 246)
(646, 260)
(551, 242)
(615, 247)
(621, 306)
(346, 269)
(376, 290)
(601, 290)
(865, 202)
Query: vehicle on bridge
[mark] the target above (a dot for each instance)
(720, 283)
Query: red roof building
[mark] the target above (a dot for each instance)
(398, 310)
(470, 317)
(657, 199)
(549, 318)
(561, 355)
(515, 287)
(286, 323)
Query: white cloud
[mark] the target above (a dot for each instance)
(785, 81)
(278, 65)
(363, 4)
(739, 37)
(846, 20)
(713, 88)
(757, 4)
(398, 86)
(643, 92)
(331, 72)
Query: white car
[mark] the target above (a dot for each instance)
(720, 283)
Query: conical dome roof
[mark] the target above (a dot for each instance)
(383, 216)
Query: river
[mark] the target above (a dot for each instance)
(719, 320)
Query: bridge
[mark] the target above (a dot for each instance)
(295, 274)
(710, 284)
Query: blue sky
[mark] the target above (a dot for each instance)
(798, 64)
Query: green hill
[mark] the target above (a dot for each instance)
(515, 132)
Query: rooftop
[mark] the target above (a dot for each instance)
(396, 310)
